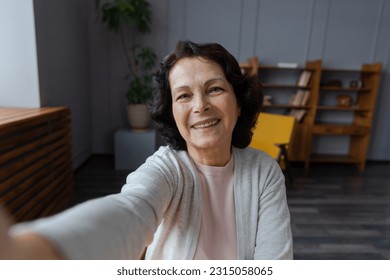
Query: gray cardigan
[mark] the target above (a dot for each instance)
(160, 207)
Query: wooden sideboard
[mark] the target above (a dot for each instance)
(36, 175)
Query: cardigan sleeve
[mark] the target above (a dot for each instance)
(117, 226)
(274, 238)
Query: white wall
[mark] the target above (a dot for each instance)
(19, 86)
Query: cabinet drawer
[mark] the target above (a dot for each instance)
(339, 129)
(356, 130)
(326, 129)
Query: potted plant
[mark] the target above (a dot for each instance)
(118, 15)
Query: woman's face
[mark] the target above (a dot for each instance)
(204, 105)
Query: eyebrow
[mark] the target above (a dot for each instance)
(206, 83)
(216, 79)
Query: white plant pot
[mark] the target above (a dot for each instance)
(139, 116)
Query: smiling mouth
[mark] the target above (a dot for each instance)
(206, 124)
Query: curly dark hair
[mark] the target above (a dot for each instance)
(246, 88)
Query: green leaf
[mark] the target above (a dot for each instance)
(148, 58)
(116, 14)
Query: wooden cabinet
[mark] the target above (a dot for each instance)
(36, 176)
(341, 103)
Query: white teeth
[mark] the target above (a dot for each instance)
(205, 125)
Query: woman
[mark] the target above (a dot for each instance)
(204, 196)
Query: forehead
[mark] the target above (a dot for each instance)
(195, 68)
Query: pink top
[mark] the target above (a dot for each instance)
(218, 238)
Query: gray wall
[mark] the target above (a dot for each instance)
(343, 33)
(63, 63)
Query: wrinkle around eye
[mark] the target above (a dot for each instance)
(216, 89)
(182, 97)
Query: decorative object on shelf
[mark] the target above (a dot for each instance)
(119, 15)
(334, 83)
(356, 84)
(267, 100)
(344, 100)
(287, 65)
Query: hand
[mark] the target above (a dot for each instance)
(26, 246)
(7, 244)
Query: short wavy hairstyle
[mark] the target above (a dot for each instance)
(246, 88)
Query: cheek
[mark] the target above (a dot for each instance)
(233, 108)
(178, 116)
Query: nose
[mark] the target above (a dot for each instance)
(201, 103)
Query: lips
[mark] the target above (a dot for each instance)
(205, 124)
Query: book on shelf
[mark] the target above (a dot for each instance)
(297, 98)
(300, 98)
(299, 114)
(304, 78)
(305, 98)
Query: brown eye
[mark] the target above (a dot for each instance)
(183, 96)
(215, 89)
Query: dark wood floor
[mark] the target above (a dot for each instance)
(337, 212)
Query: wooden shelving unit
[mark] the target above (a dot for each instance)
(361, 110)
(281, 82)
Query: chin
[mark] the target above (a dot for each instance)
(208, 145)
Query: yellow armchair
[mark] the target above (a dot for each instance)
(273, 134)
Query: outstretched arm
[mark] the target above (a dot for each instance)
(112, 227)
(117, 226)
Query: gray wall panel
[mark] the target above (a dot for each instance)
(351, 32)
(248, 27)
(379, 144)
(320, 15)
(64, 66)
(176, 16)
(214, 21)
(285, 40)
